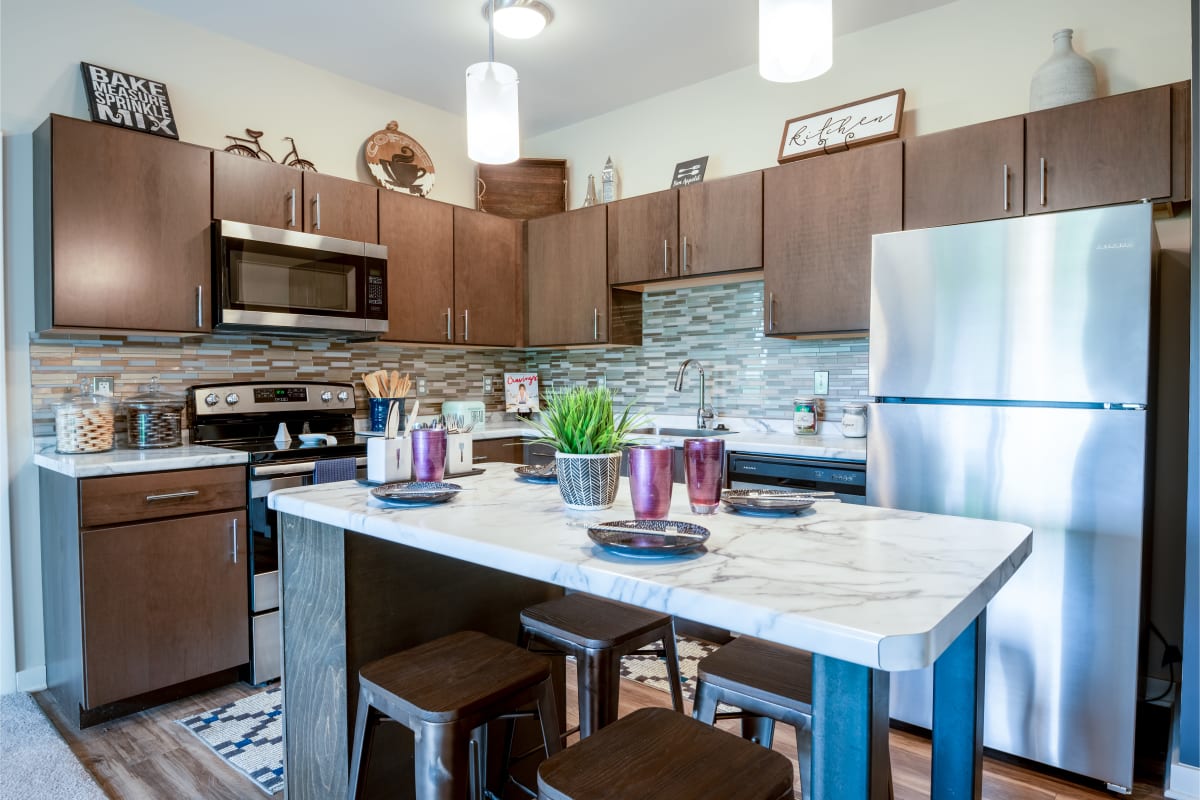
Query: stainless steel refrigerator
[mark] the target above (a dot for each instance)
(1011, 364)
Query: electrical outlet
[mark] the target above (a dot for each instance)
(106, 385)
(422, 387)
(487, 385)
(821, 382)
(602, 380)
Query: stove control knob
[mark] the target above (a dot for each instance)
(326, 397)
(212, 399)
(343, 395)
(232, 398)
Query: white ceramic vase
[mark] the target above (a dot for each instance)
(1066, 77)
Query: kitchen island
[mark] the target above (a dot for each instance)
(867, 590)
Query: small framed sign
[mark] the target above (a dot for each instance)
(521, 393)
(863, 121)
(688, 172)
(127, 101)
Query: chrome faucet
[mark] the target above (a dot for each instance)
(703, 413)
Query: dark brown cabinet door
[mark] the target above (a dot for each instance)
(131, 220)
(509, 449)
(965, 174)
(818, 218)
(720, 225)
(642, 236)
(419, 236)
(340, 208)
(1112, 150)
(163, 602)
(486, 298)
(257, 192)
(566, 278)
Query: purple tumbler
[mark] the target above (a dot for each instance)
(650, 480)
(703, 461)
(429, 454)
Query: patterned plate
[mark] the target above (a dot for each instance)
(648, 538)
(543, 474)
(787, 500)
(408, 493)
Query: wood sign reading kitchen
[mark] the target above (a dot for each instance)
(127, 101)
(842, 127)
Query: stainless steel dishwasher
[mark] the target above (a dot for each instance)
(847, 479)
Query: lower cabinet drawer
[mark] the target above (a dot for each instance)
(115, 499)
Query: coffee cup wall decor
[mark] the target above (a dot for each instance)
(398, 162)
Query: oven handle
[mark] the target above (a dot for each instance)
(293, 468)
(286, 476)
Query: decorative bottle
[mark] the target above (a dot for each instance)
(1066, 77)
(589, 199)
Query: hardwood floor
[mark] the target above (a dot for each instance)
(147, 756)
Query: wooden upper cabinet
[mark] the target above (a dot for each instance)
(340, 208)
(566, 278)
(123, 229)
(720, 225)
(256, 192)
(965, 174)
(1100, 152)
(643, 233)
(818, 218)
(487, 301)
(419, 236)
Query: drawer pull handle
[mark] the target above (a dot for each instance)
(235, 540)
(154, 498)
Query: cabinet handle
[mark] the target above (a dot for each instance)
(683, 256)
(235, 540)
(292, 208)
(1004, 181)
(1042, 179)
(466, 324)
(771, 312)
(449, 328)
(200, 306)
(154, 498)
(665, 272)
(317, 212)
(596, 324)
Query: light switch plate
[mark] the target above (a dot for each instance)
(821, 382)
(487, 385)
(106, 385)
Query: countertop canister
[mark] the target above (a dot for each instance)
(854, 420)
(804, 416)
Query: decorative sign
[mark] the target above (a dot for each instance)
(521, 392)
(687, 172)
(843, 127)
(127, 101)
(398, 162)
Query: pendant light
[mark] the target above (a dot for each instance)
(795, 39)
(493, 123)
(519, 19)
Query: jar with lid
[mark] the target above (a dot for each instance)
(854, 420)
(804, 416)
(83, 423)
(154, 418)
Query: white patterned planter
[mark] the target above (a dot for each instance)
(588, 482)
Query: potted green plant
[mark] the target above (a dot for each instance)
(587, 438)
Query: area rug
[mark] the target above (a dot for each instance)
(652, 670)
(248, 734)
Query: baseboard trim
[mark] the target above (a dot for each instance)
(31, 680)
(1182, 780)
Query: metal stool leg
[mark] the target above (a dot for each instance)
(760, 730)
(672, 657)
(547, 710)
(804, 755)
(598, 690)
(704, 709)
(364, 731)
(442, 757)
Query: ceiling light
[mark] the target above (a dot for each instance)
(795, 39)
(520, 19)
(493, 122)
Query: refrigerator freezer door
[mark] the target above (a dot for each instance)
(1061, 676)
(1050, 308)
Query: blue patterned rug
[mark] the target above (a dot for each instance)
(248, 734)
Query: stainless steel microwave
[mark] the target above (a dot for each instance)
(268, 279)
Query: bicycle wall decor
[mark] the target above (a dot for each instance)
(253, 148)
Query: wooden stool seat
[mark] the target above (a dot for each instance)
(598, 633)
(446, 692)
(657, 753)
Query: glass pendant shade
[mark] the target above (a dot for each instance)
(519, 22)
(795, 39)
(493, 124)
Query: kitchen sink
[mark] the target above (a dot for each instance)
(683, 431)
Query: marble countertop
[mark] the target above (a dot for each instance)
(124, 461)
(884, 588)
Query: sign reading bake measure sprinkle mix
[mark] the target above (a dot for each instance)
(870, 120)
(127, 101)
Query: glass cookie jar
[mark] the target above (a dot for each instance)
(154, 418)
(83, 423)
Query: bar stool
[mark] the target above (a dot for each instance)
(656, 753)
(598, 633)
(446, 692)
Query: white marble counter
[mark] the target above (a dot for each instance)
(881, 588)
(122, 461)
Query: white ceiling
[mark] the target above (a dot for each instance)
(596, 56)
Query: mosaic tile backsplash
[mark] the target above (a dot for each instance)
(748, 375)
